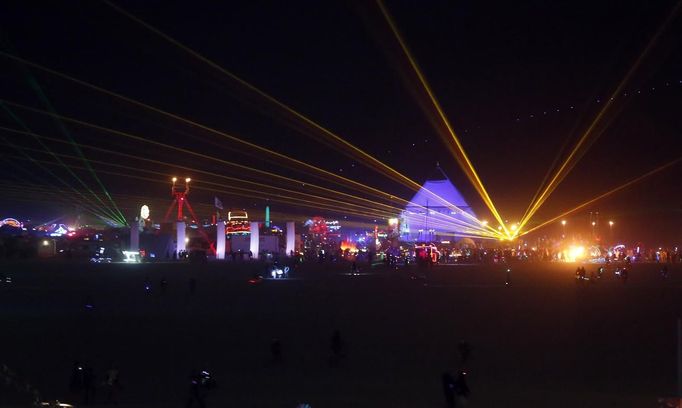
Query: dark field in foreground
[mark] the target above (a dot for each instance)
(542, 341)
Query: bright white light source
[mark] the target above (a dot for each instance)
(131, 256)
(144, 212)
(575, 253)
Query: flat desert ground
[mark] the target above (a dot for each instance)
(542, 341)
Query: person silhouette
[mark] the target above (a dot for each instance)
(196, 393)
(77, 378)
(461, 387)
(448, 383)
(112, 384)
(88, 385)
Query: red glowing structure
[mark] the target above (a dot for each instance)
(317, 226)
(179, 193)
(426, 253)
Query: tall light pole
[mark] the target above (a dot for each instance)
(594, 224)
(563, 229)
(611, 230)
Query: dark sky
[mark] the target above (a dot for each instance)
(519, 82)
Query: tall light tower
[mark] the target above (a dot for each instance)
(611, 230)
(563, 228)
(179, 194)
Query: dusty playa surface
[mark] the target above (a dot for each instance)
(544, 340)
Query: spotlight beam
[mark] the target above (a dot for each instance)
(38, 89)
(573, 155)
(348, 207)
(63, 182)
(476, 223)
(324, 173)
(260, 192)
(53, 191)
(286, 200)
(606, 194)
(329, 135)
(33, 196)
(460, 154)
(29, 132)
(339, 179)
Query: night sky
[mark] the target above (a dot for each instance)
(519, 83)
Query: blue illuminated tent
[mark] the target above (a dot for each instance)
(435, 212)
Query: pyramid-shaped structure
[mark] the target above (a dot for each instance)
(435, 212)
(438, 193)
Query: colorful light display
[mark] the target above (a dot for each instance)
(238, 222)
(11, 222)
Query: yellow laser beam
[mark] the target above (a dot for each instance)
(198, 171)
(367, 211)
(252, 193)
(147, 140)
(341, 180)
(559, 175)
(453, 220)
(461, 156)
(608, 193)
(339, 141)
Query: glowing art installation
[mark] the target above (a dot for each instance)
(291, 238)
(220, 240)
(254, 245)
(144, 212)
(427, 219)
(181, 243)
